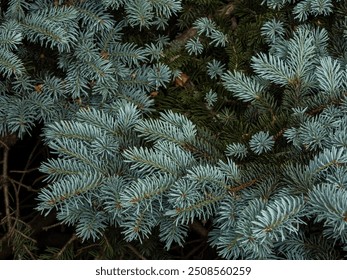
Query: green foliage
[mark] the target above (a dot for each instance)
(92, 60)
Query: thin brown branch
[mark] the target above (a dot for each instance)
(195, 249)
(39, 179)
(25, 236)
(4, 145)
(15, 182)
(199, 228)
(29, 252)
(51, 226)
(24, 171)
(17, 200)
(5, 183)
(72, 239)
(86, 248)
(135, 251)
(186, 244)
(234, 189)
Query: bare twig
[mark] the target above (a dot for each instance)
(25, 236)
(51, 226)
(199, 228)
(24, 171)
(72, 239)
(29, 252)
(5, 183)
(15, 182)
(26, 168)
(4, 145)
(135, 251)
(86, 248)
(196, 249)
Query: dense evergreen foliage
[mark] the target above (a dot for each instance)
(173, 129)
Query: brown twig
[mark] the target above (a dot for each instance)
(26, 236)
(135, 251)
(72, 239)
(24, 171)
(15, 182)
(29, 252)
(51, 226)
(195, 249)
(234, 189)
(198, 228)
(5, 183)
(85, 248)
(4, 145)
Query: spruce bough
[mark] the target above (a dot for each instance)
(279, 191)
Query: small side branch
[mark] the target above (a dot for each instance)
(5, 184)
(70, 241)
